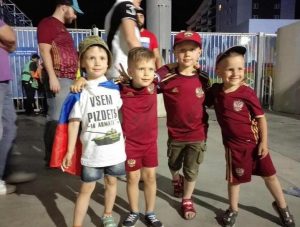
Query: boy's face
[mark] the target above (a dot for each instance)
(142, 73)
(187, 53)
(232, 70)
(95, 62)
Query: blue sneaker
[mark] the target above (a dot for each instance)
(152, 221)
(285, 215)
(229, 218)
(131, 219)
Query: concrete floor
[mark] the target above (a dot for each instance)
(49, 200)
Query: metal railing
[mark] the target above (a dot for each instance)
(260, 57)
(26, 46)
(12, 15)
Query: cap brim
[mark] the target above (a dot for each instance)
(235, 49)
(77, 10)
(197, 43)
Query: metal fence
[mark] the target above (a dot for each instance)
(260, 57)
(26, 46)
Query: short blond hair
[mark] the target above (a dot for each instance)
(140, 54)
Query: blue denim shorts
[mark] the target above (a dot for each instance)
(90, 174)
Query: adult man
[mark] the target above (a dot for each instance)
(148, 39)
(122, 33)
(60, 59)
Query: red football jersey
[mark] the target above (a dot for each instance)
(148, 39)
(236, 112)
(184, 101)
(139, 117)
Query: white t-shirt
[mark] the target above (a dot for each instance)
(101, 133)
(122, 9)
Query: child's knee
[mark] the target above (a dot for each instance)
(149, 179)
(87, 188)
(272, 178)
(149, 175)
(110, 181)
(133, 177)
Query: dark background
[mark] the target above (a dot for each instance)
(95, 11)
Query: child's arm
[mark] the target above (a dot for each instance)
(263, 135)
(73, 128)
(78, 85)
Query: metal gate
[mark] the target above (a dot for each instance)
(26, 46)
(260, 57)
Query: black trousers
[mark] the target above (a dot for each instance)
(29, 101)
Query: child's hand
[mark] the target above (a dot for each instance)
(124, 78)
(67, 161)
(197, 65)
(262, 150)
(172, 65)
(78, 85)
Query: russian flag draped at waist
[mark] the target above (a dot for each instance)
(60, 144)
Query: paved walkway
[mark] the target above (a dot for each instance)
(49, 200)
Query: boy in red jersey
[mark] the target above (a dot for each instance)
(244, 132)
(139, 124)
(183, 90)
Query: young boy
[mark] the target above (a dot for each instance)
(183, 90)
(139, 123)
(244, 132)
(96, 109)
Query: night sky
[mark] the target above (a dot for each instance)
(95, 11)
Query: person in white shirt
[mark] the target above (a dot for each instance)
(122, 33)
(103, 149)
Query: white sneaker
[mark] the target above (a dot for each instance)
(6, 188)
(20, 177)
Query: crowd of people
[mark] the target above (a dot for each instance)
(105, 89)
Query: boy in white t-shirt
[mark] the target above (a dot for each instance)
(96, 109)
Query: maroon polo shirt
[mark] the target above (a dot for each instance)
(64, 55)
(236, 112)
(184, 102)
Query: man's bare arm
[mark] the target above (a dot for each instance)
(45, 50)
(7, 38)
(128, 29)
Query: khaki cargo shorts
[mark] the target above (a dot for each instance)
(188, 155)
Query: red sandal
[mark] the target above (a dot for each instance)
(187, 208)
(178, 186)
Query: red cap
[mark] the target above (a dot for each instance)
(187, 36)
